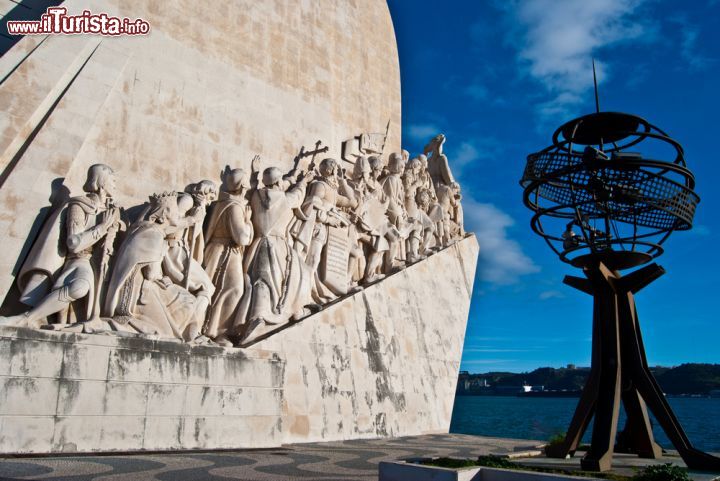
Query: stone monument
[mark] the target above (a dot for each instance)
(144, 308)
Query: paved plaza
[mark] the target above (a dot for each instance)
(335, 461)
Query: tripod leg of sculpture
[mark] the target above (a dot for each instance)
(637, 433)
(599, 457)
(651, 392)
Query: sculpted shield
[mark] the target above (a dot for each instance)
(373, 214)
(334, 265)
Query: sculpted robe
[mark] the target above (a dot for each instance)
(279, 279)
(228, 234)
(439, 170)
(140, 297)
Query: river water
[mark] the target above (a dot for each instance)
(541, 418)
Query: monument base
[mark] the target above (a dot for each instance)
(383, 362)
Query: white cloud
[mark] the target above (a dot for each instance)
(422, 131)
(545, 295)
(465, 154)
(688, 46)
(468, 152)
(556, 40)
(502, 260)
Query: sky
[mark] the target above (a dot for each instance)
(497, 78)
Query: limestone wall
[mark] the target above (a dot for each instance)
(213, 84)
(80, 393)
(383, 362)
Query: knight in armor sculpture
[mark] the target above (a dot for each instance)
(229, 233)
(58, 276)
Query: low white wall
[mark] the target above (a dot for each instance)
(64, 392)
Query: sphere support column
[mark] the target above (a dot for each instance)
(620, 373)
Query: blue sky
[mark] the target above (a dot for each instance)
(497, 77)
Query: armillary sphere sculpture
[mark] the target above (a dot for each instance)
(604, 209)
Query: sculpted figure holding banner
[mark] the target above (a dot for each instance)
(58, 276)
(141, 297)
(323, 233)
(280, 280)
(229, 233)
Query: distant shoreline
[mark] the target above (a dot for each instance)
(685, 380)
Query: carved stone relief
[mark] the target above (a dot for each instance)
(229, 266)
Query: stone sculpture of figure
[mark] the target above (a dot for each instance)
(438, 166)
(458, 214)
(64, 272)
(411, 184)
(323, 232)
(425, 205)
(280, 280)
(373, 231)
(228, 234)
(141, 297)
(425, 179)
(448, 228)
(182, 263)
(377, 167)
(392, 186)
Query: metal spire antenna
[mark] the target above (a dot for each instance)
(597, 100)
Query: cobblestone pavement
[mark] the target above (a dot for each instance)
(335, 461)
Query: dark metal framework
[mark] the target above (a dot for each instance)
(604, 209)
